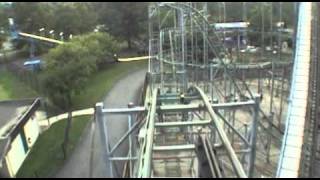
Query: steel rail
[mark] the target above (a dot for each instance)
(145, 156)
(224, 138)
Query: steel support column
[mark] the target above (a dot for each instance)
(104, 139)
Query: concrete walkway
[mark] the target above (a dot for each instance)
(87, 160)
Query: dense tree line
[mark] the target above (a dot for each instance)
(263, 16)
(124, 20)
(3, 24)
(70, 18)
(128, 20)
(236, 11)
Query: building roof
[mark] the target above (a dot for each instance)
(13, 115)
(32, 62)
(231, 25)
(10, 112)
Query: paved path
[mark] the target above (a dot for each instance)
(78, 165)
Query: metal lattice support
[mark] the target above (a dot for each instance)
(196, 93)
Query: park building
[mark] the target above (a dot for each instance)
(19, 130)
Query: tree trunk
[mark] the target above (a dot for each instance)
(129, 43)
(68, 127)
(66, 135)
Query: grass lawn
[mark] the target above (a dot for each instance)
(13, 88)
(103, 81)
(46, 155)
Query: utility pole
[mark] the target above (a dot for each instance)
(244, 18)
(271, 25)
(262, 35)
(281, 25)
(224, 17)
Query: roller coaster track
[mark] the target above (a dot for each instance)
(315, 147)
(290, 157)
(168, 139)
(311, 151)
(151, 149)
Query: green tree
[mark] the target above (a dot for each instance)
(258, 19)
(69, 66)
(234, 10)
(2, 40)
(3, 18)
(127, 20)
(102, 45)
(70, 18)
(3, 24)
(71, 63)
(74, 18)
(67, 69)
(31, 16)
